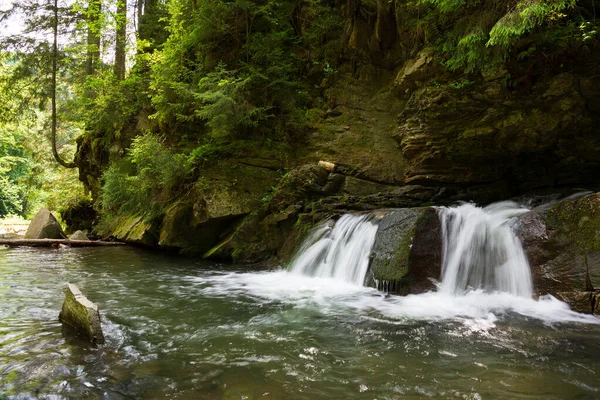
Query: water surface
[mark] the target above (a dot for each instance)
(187, 329)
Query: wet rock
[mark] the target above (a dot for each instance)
(390, 254)
(416, 71)
(81, 315)
(578, 301)
(596, 303)
(562, 243)
(425, 257)
(135, 229)
(407, 250)
(483, 135)
(360, 187)
(44, 226)
(79, 235)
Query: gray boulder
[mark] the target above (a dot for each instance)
(407, 251)
(44, 226)
(81, 315)
(79, 235)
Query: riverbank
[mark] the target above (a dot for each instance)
(13, 227)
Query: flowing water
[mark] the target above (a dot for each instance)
(482, 252)
(341, 252)
(187, 329)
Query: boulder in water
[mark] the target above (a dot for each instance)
(562, 244)
(44, 226)
(407, 251)
(81, 314)
(79, 235)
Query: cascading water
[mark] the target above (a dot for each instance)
(341, 252)
(481, 251)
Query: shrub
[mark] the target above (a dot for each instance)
(150, 176)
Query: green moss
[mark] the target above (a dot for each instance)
(391, 251)
(396, 267)
(129, 228)
(578, 220)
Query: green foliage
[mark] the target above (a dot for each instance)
(223, 103)
(108, 105)
(461, 84)
(524, 17)
(205, 153)
(151, 176)
(476, 34)
(445, 6)
(469, 53)
(234, 67)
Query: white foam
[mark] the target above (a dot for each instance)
(477, 309)
(341, 252)
(481, 251)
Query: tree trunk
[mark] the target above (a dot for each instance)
(140, 13)
(121, 39)
(93, 36)
(54, 68)
(56, 243)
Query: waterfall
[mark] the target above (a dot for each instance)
(481, 251)
(341, 252)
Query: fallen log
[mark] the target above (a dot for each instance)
(56, 243)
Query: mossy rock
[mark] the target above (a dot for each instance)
(578, 301)
(79, 235)
(136, 230)
(407, 249)
(577, 221)
(82, 315)
(389, 259)
(562, 244)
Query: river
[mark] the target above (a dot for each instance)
(188, 329)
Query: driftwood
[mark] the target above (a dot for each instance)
(56, 243)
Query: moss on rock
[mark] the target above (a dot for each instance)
(577, 220)
(81, 315)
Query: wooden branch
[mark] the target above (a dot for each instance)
(57, 242)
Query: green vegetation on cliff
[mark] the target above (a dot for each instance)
(210, 87)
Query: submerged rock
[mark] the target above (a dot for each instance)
(79, 235)
(44, 226)
(81, 314)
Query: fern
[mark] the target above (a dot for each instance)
(526, 16)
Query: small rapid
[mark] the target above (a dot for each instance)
(484, 274)
(341, 252)
(482, 252)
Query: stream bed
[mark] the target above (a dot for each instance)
(188, 329)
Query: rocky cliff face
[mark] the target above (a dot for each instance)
(402, 131)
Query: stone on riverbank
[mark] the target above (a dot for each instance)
(79, 235)
(44, 226)
(81, 314)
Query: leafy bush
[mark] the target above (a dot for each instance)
(474, 35)
(150, 176)
(235, 68)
